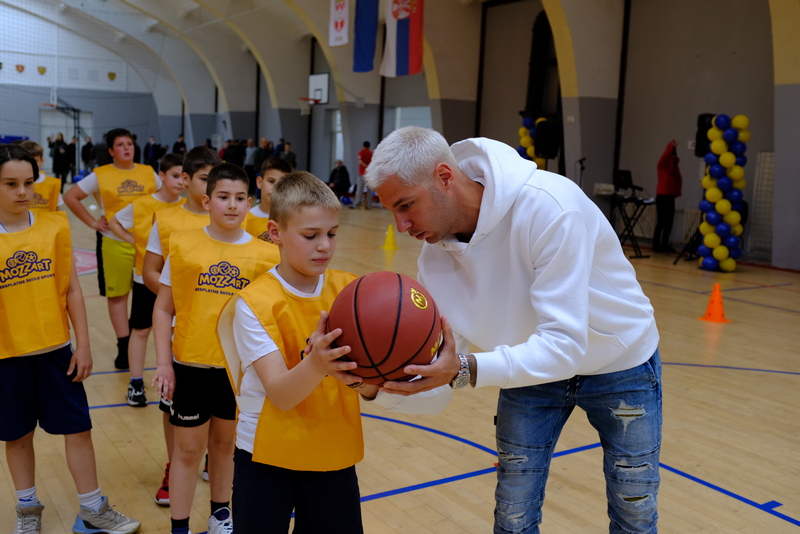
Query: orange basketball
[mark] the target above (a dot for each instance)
(389, 321)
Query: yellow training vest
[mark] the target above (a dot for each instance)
(257, 226)
(175, 219)
(34, 278)
(143, 210)
(45, 194)
(119, 187)
(322, 433)
(205, 273)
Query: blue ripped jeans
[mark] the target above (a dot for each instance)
(624, 408)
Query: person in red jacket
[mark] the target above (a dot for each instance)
(668, 189)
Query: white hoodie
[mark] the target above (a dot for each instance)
(543, 286)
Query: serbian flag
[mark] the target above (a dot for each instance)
(404, 32)
(366, 32)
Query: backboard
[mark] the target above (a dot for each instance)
(318, 87)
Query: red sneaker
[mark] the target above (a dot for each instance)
(162, 495)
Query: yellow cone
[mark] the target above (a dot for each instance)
(389, 243)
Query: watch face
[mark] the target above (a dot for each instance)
(462, 380)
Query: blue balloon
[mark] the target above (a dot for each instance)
(724, 184)
(710, 264)
(532, 132)
(711, 158)
(346, 201)
(730, 135)
(737, 206)
(734, 195)
(522, 151)
(731, 242)
(723, 230)
(713, 218)
(716, 171)
(738, 148)
(528, 122)
(703, 251)
(706, 206)
(722, 121)
(741, 161)
(734, 253)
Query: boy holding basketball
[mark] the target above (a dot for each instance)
(290, 382)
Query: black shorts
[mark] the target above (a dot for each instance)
(36, 389)
(264, 497)
(142, 307)
(98, 250)
(200, 393)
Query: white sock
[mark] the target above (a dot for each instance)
(91, 500)
(27, 497)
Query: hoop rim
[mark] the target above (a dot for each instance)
(311, 101)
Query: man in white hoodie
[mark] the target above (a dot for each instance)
(527, 269)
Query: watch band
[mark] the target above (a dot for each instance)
(462, 378)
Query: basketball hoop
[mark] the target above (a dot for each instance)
(47, 105)
(306, 103)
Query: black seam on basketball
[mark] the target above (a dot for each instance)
(396, 326)
(433, 325)
(358, 324)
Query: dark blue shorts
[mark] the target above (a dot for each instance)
(36, 389)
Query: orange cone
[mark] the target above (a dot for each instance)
(715, 313)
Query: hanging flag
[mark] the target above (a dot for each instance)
(338, 33)
(366, 31)
(404, 33)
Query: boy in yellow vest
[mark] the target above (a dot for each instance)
(204, 268)
(197, 165)
(132, 224)
(46, 189)
(117, 185)
(300, 453)
(40, 375)
(271, 171)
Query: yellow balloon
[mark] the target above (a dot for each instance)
(526, 141)
(735, 173)
(728, 265)
(713, 195)
(719, 147)
(522, 132)
(740, 122)
(714, 133)
(709, 182)
(720, 252)
(531, 151)
(727, 160)
(541, 163)
(723, 206)
(700, 261)
(732, 218)
(737, 230)
(712, 241)
(744, 136)
(739, 184)
(540, 119)
(706, 228)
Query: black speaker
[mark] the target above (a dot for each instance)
(548, 139)
(701, 139)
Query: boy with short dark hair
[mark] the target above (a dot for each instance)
(271, 171)
(40, 375)
(117, 185)
(204, 268)
(290, 382)
(132, 224)
(46, 189)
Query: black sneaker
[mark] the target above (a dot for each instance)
(136, 395)
(121, 361)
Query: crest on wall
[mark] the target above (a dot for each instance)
(112, 76)
(41, 70)
(20, 68)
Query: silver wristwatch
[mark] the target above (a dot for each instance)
(461, 380)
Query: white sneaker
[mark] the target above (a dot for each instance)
(223, 525)
(29, 519)
(106, 520)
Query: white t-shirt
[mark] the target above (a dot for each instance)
(40, 179)
(89, 185)
(125, 219)
(258, 212)
(253, 343)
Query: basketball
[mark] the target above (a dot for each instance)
(389, 321)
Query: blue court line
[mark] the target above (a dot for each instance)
(433, 431)
(768, 507)
(729, 298)
(752, 287)
(120, 371)
(731, 368)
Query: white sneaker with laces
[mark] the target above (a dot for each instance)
(29, 519)
(105, 520)
(220, 526)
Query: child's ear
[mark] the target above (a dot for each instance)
(206, 202)
(259, 180)
(274, 232)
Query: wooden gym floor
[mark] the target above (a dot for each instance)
(731, 420)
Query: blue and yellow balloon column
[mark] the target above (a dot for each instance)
(723, 184)
(527, 140)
